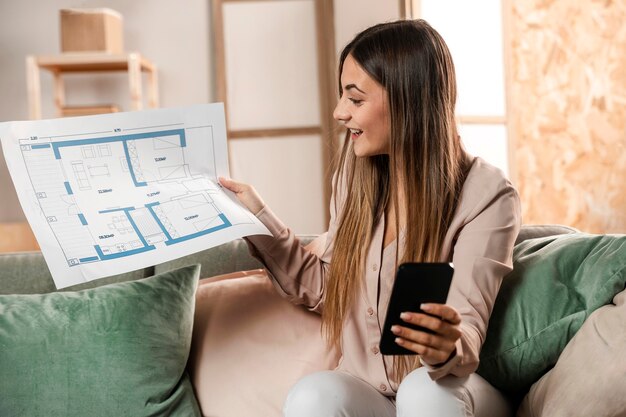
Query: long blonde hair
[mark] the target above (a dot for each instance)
(413, 64)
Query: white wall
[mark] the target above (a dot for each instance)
(175, 35)
(352, 16)
(277, 61)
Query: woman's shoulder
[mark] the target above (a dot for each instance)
(485, 177)
(484, 185)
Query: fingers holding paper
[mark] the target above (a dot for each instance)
(246, 194)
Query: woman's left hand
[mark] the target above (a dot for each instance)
(437, 348)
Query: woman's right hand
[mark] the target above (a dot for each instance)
(246, 194)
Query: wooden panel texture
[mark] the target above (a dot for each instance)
(568, 104)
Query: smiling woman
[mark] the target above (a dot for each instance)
(405, 190)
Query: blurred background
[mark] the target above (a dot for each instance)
(542, 91)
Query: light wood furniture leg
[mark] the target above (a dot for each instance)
(153, 98)
(134, 78)
(34, 87)
(59, 93)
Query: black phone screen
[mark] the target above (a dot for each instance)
(415, 283)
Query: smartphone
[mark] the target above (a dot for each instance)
(415, 283)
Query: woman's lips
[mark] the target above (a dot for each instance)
(355, 133)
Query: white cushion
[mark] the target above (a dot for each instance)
(250, 346)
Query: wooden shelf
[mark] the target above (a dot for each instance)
(69, 111)
(74, 62)
(91, 61)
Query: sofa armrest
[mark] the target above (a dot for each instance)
(532, 231)
(27, 273)
(224, 259)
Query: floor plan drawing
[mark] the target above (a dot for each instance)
(111, 195)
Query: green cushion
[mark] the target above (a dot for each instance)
(116, 350)
(556, 283)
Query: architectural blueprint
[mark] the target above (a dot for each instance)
(111, 193)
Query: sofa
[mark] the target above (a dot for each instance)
(229, 345)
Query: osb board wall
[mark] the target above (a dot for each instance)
(568, 104)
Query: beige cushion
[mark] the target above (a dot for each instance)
(589, 379)
(250, 346)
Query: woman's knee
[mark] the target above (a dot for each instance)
(317, 394)
(335, 394)
(419, 395)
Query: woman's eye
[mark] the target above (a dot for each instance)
(355, 101)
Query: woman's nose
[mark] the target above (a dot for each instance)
(340, 114)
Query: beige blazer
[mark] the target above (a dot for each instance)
(479, 243)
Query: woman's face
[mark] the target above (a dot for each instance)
(364, 110)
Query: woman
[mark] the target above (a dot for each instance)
(405, 190)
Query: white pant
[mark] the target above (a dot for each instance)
(337, 394)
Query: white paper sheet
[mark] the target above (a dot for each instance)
(112, 193)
